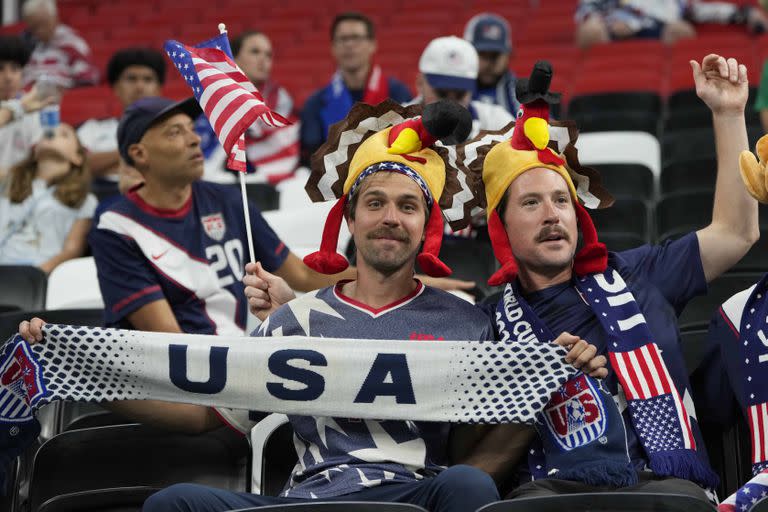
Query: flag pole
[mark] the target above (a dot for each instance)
(246, 210)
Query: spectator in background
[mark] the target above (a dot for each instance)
(490, 35)
(601, 21)
(272, 153)
(353, 43)
(132, 73)
(19, 125)
(170, 253)
(448, 70)
(59, 51)
(45, 204)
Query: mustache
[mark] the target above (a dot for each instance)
(548, 231)
(395, 234)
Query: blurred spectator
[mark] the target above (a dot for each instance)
(272, 153)
(59, 52)
(171, 252)
(600, 21)
(353, 43)
(490, 35)
(19, 126)
(45, 205)
(448, 70)
(132, 73)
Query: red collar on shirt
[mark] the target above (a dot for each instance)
(376, 311)
(168, 213)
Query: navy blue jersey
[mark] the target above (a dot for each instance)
(342, 455)
(193, 257)
(663, 278)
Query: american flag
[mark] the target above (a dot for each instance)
(229, 100)
(652, 396)
(748, 496)
(758, 425)
(21, 383)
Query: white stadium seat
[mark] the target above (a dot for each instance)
(74, 284)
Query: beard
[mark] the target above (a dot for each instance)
(387, 262)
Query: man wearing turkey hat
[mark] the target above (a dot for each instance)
(390, 190)
(646, 438)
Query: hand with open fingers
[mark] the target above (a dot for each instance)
(721, 83)
(32, 330)
(265, 292)
(583, 355)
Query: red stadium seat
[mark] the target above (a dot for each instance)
(83, 103)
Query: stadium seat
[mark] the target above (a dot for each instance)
(274, 455)
(9, 322)
(603, 502)
(689, 176)
(614, 101)
(23, 286)
(618, 242)
(76, 467)
(302, 228)
(687, 145)
(470, 259)
(627, 180)
(626, 215)
(74, 284)
(682, 212)
(337, 506)
(756, 260)
(700, 309)
(620, 148)
(265, 196)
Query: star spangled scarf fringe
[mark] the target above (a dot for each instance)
(653, 392)
(591, 430)
(449, 381)
(581, 429)
(750, 384)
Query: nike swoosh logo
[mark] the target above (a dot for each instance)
(158, 256)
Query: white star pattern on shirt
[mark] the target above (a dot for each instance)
(302, 307)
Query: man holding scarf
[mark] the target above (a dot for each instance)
(625, 303)
(353, 43)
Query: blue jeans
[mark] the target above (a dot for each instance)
(457, 489)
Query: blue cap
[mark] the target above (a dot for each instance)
(488, 33)
(140, 115)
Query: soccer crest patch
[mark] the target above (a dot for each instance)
(576, 416)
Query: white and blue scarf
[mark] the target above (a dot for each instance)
(581, 429)
(451, 381)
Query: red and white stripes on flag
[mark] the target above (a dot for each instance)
(758, 426)
(228, 99)
(230, 102)
(643, 375)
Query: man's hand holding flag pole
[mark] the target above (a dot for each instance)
(228, 99)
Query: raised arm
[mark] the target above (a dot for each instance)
(722, 85)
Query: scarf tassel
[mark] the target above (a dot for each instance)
(683, 464)
(601, 473)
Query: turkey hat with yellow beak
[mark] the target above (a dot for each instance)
(504, 155)
(392, 138)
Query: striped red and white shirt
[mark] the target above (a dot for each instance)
(66, 57)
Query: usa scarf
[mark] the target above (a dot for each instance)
(746, 370)
(450, 381)
(581, 428)
(338, 99)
